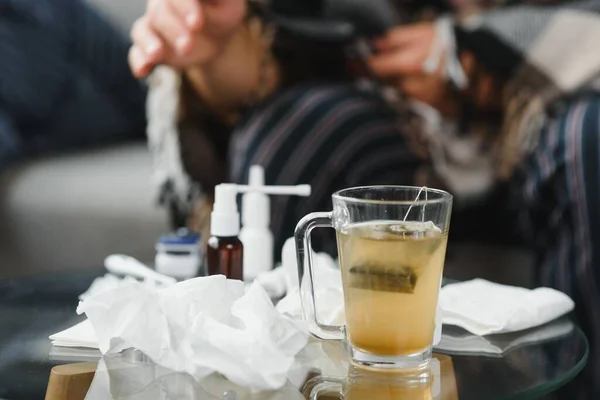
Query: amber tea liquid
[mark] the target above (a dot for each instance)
(391, 273)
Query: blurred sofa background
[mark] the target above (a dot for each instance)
(71, 211)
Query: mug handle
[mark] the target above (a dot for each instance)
(306, 280)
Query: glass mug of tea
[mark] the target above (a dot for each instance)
(391, 246)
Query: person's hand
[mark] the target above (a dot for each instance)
(399, 61)
(183, 33)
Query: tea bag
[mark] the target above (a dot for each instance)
(411, 244)
(374, 277)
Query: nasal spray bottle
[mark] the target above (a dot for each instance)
(256, 217)
(246, 258)
(224, 249)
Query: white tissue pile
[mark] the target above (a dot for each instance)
(200, 326)
(212, 324)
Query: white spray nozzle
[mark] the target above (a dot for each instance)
(225, 201)
(255, 205)
(225, 219)
(298, 190)
(257, 176)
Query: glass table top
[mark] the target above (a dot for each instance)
(523, 365)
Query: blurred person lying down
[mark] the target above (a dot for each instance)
(64, 80)
(494, 101)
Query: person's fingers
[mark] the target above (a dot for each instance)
(166, 23)
(397, 63)
(189, 11)
(405, 35)
(430, 89)
(418, 86)
(138, 62)
(147, 40)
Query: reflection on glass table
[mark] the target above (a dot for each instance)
(436, 381)
(526, 365)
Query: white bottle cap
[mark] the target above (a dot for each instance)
(255, 205)
(225, 218)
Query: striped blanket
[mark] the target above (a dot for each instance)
(548, 51)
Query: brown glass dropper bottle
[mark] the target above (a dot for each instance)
(224, 253)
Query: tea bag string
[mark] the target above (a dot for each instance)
(423, 188)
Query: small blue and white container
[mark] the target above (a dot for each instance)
(179, 255)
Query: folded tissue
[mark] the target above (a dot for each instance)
(81, 335)
(200, 326)
(482, 307)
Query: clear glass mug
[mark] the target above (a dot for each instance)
(391, 247)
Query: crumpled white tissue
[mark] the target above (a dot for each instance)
(200, 326)
(329, 295)
(274, 282)
(482, 307)
(284, 279)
